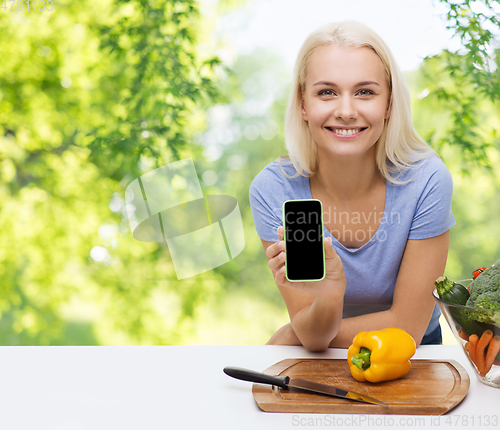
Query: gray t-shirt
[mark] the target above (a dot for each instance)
(418, 209)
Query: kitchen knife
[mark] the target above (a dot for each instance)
(286, 382)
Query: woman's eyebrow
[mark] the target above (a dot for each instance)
(360, 84)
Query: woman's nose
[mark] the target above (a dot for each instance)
(344, 109)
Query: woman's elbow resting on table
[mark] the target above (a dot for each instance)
(286, 335)
(316, 347)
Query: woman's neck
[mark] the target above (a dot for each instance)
(347, 179)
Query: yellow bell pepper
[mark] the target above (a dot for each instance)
(380, 355)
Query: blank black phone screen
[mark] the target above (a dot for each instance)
(304, 240)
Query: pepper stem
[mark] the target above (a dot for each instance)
(362, 359)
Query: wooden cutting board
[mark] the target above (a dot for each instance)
(431, 387)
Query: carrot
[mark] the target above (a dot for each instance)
(481, 345)
(493, 349)
(463, 335)
(473, 339)
(467, 347)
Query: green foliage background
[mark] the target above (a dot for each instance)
(93, 94)
(96, 93)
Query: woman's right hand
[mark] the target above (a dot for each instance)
(331, 286)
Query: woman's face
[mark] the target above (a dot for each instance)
(345, 100)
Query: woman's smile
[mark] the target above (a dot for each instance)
(346, 132)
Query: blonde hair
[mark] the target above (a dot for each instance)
(399, 145)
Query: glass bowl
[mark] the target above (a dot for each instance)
(463, 325)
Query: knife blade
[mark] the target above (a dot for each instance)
(286, 382)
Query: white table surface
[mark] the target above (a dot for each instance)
(183, 387)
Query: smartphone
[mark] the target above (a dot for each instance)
(303, 235)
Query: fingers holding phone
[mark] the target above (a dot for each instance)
(276, 253)
(334, 269)
(302, 255)
(332, 285)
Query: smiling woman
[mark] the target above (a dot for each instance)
(399, 145)
(351, 144)
(351, 105)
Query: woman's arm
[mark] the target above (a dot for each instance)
(315, 308)
(423, 262)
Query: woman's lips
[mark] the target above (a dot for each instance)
(342, 133)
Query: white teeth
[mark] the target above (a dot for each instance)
(343, 132)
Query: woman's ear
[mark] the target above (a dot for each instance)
(389, 107)
(304, 112)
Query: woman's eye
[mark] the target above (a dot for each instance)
(365, 92)
(326, 93)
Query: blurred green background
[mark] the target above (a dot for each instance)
(95, 93)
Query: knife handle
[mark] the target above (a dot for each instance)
(252, 376)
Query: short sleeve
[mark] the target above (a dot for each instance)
(266, 196)
(433, 215)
